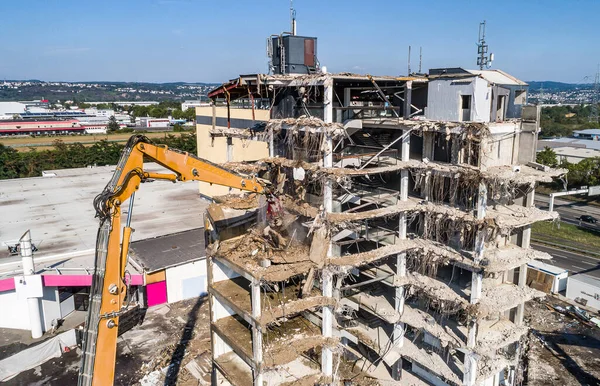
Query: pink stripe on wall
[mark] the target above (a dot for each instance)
(156, 293)
(7, 284)
(79, 280)
(67, 280)
(136, 279)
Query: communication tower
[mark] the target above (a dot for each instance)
(483, 59)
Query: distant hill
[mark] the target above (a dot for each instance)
(101, 91)
(551, 86)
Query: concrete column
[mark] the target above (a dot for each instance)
(476, 286)
(33, 303)
(526, 239)
(328, 100)
(399, 328)
(525, 243)
(347, 99)
(256, 333)
(407, 98)
(481, 209)
(271, 143)
(455, 149)
(426, 183)
(470, 374)
(327, 286)
(528, 137)
(521, 307)
(481, 201)
(428, 147)
(472, 334)
(327, 327)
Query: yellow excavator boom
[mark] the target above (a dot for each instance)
(109, 287)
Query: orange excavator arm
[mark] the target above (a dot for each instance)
(109, 285)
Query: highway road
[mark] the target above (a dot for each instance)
(574, 262)
(569, 211)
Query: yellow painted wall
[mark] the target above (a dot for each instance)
(155, 277)
(215, 149)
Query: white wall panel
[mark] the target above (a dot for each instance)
(186, 281)
(15, 313)
(50, 307)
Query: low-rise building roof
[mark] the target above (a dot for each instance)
(585, 279)
(168, 251)
(498, 77)
(587, 132)
(59, 212)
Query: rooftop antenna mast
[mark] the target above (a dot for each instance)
(483, 60)
(420, 58)
(293, 17)
(594, 102)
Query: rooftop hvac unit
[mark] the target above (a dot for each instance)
(291, 54)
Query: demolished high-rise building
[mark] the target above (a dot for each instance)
(405, 246)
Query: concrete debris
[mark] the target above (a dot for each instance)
(504, 297)
(246, 133)
(422, 320)
(558, 350)
(525, 175)
(433, 361)
(309, 125)
(364, 258)
(505, 217)
(249, 201)
(501, 259)
(496, 333)
(248, 250)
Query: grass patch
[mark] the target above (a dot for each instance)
(579, 237)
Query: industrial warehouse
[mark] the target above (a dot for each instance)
(347, 229)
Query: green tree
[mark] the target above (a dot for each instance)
(547, 157)
(10, 163)
(105, 153)
(140, 111)
(158, 112)
(190, 114)
(113, 125)
(177, 114)
(585, 172)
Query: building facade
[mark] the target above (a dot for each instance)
(407, 247)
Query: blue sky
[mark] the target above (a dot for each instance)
(213, 41)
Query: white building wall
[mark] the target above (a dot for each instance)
(498, 150)
(67, 306)
(9, 108)
(444, 99)
(50, 307)
(191, 104)
(15, 313)
(186, 281)
(587, 291)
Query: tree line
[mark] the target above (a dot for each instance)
(14, 164)
(163, 109)
(583, 173)
(560, 121)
